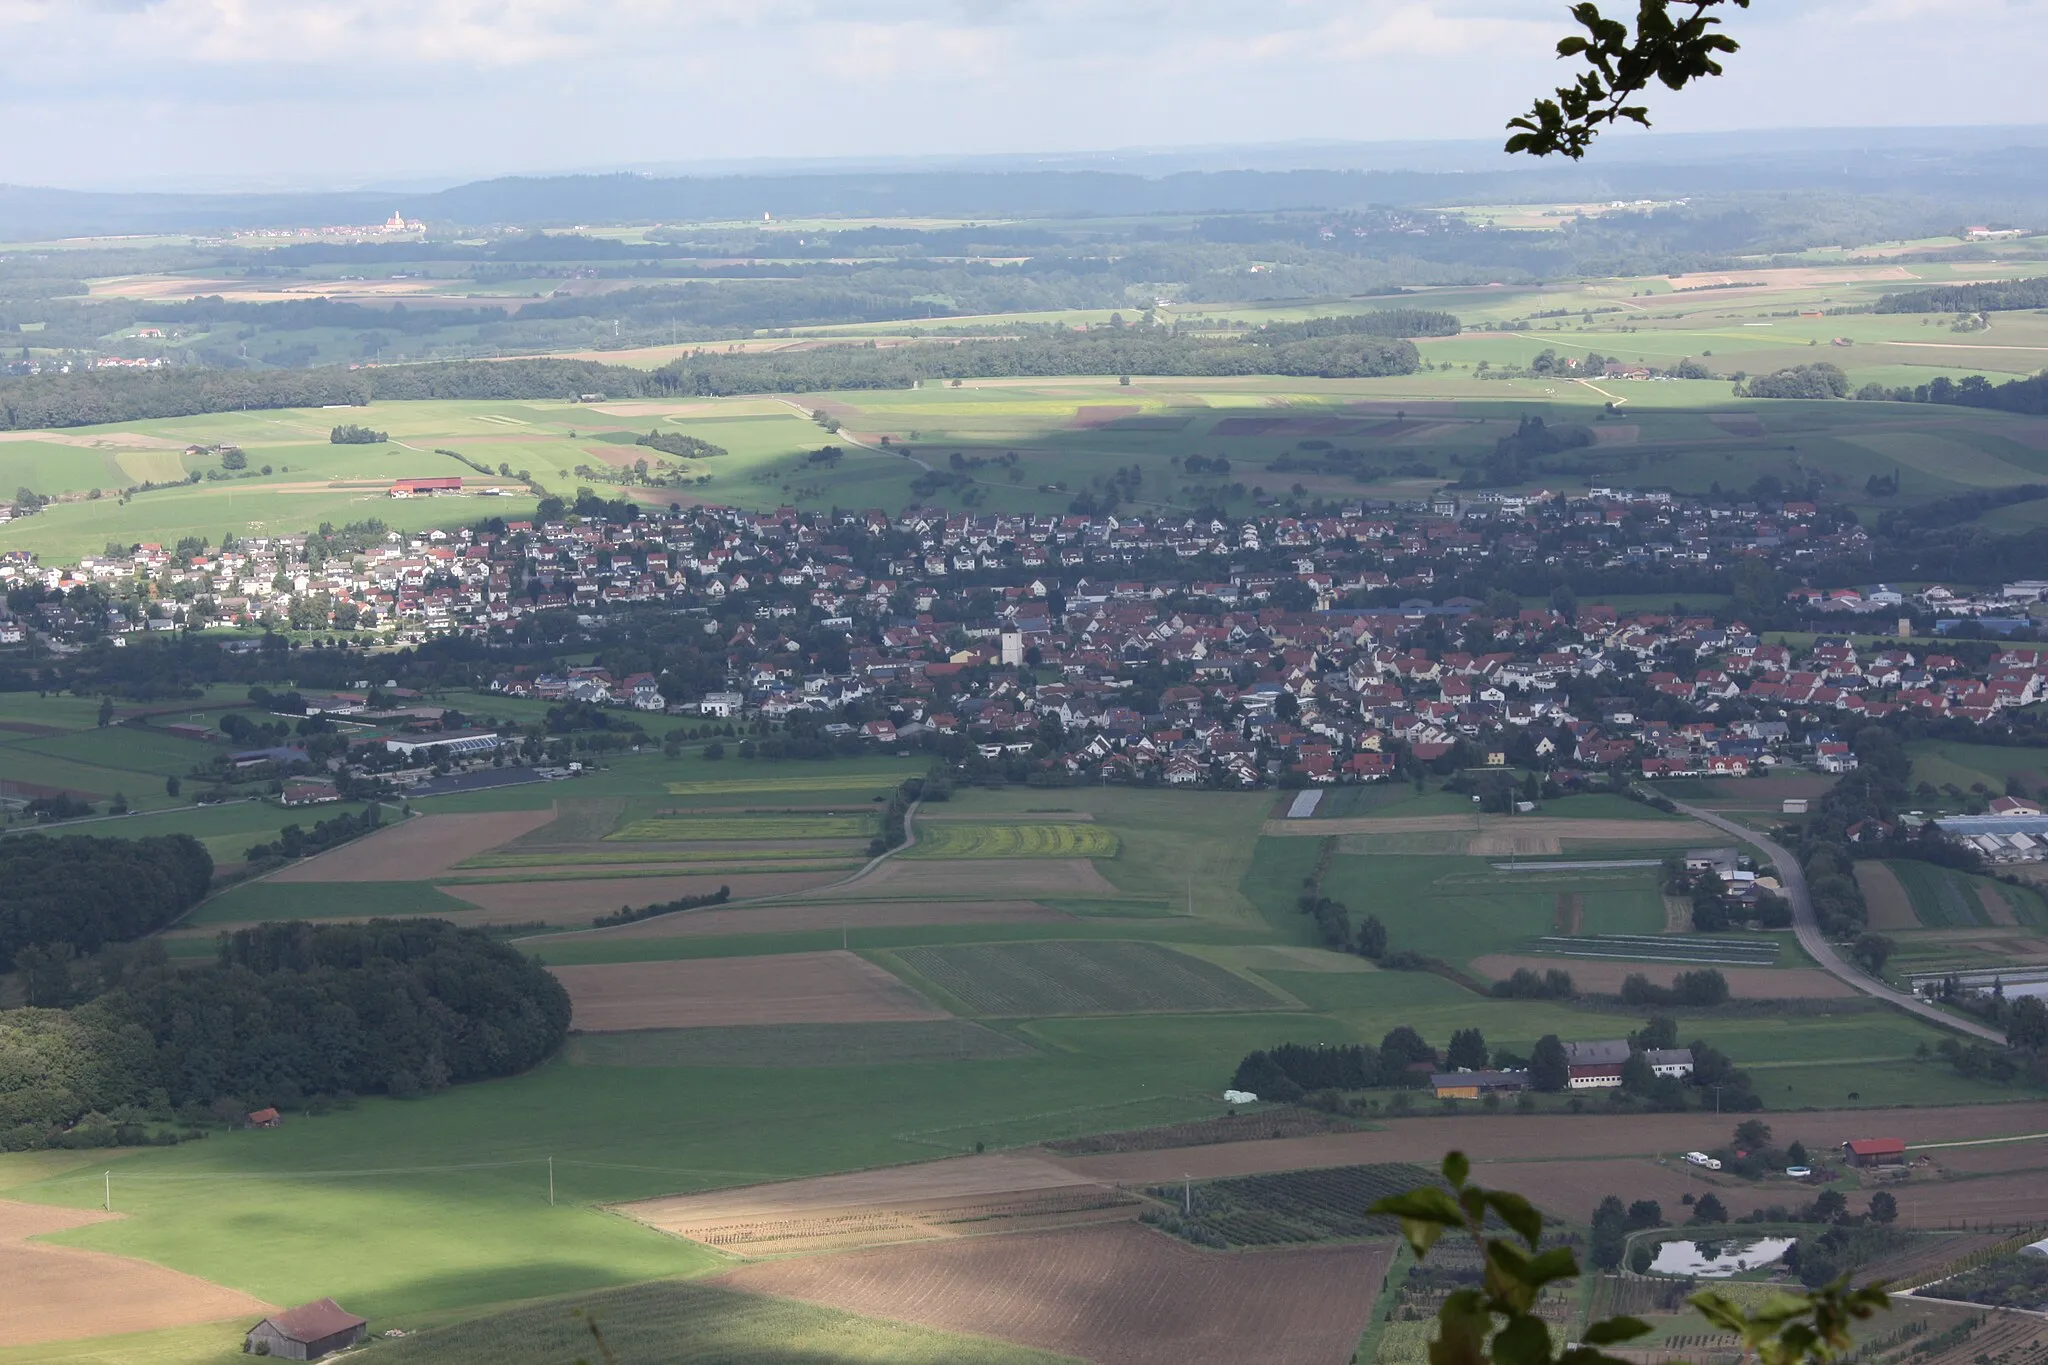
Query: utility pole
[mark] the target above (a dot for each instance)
(551, 1182)
(108, 1202)
(1187, 1194)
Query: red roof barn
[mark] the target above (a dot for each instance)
(1875, 1151)
(307, 1332)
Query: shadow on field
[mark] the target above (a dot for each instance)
(670, 1321)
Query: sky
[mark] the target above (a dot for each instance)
(309, 94)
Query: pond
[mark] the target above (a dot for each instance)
(1717, 1260)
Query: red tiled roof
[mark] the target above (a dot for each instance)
(1877, 1146)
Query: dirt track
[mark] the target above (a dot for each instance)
(1744, 983)
(1115, 1295)
(794, 988)
(59, 1293)
(421, 848)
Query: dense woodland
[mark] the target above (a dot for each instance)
(290, 1013)
(84, 892)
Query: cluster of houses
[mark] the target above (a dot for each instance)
(1589, 1066)
(1318, 647)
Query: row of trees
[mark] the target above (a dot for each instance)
(289, 1012)
(86, 892)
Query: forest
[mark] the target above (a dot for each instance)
(65, 400)
(291, 1012)
(87, 892)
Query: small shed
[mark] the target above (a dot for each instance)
(1875, 1151)
(265, 1118)
(307, 1332)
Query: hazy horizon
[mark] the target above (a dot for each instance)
(333, 94)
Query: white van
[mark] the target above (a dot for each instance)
(1702, 1159)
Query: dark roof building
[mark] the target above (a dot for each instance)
(307, 1332)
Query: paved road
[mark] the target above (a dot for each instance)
(1807, 926)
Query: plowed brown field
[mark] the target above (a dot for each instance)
(795, 988)
(1745, 983)
(59, 1293)
(1115, 1295)
(424, 847)
(1890, 905)
(1550, 1137)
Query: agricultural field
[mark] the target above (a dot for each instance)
(1032, 979)
(1116, 1293)
(1945, 899)
(1294, 1206)
(963, 840)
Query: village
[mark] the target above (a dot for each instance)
(1316, 654)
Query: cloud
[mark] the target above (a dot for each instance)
(106, 91)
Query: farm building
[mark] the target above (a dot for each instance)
(455, 744)
(1470, 1085)
(1875, 1151)
(419, 488)
(1719, 861)
(1672, 1061)
(1596, 1066)
(1793, 805)
(307, 1332)
(265, 1118)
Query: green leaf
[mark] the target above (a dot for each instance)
(1524, 1341)
(1518, 1213)
(1456, 1168)
(1611, 1330)
(1425, 1205)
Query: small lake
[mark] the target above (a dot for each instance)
(1717, 1260)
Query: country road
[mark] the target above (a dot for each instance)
(1807, 926)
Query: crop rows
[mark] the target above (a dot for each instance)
(1725, 952)
(813, 782)
(1297, 1206)
(964, 840)
(742, 827)
(1028, 980)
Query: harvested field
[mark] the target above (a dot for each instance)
(1606, 976)
(565, 901)
(1116, 1295)
(1997, 908)
(1028, 980)
(1569, 915)
(1508, 1140)
(1992, 1158)
(960, 840)
(421, 848)
(794, 988)
(1890, 905)
(1927, 1258)
(797, 1045)
(698, 828)
(1274, 1123)
(795, 918)
(1484, 836)
(1101, 414)
(59, 1293)
(894, 1204)
(964, 876)
(1996, 1201)
(815, 782)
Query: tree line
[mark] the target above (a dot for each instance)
(1993, 297)
(87, 892)
(290, 1013)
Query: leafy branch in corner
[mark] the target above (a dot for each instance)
(1497, 1323)
(1674, 49)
